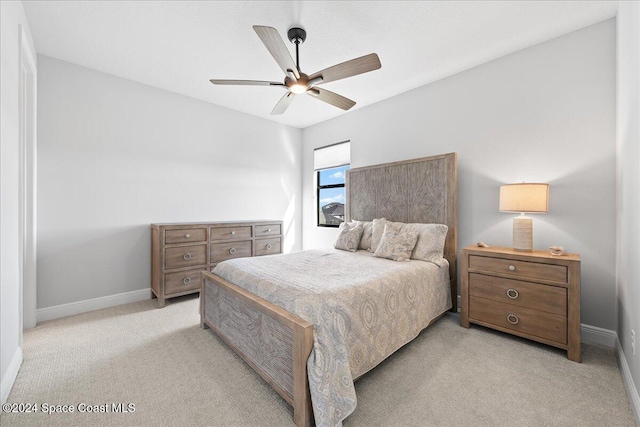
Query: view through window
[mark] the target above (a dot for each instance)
(331, 195)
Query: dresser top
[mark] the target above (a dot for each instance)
(496, 250)
(205, 223)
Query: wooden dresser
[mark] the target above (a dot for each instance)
(530, 294)
(180, 251)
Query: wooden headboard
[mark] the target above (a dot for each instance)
(420, 190)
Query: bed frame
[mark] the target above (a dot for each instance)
(276, 343)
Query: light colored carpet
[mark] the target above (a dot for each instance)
(177, 374)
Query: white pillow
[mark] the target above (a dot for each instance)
(367, 232)
(397, 242)
(348, 236)
(431, 240)
(376, 235)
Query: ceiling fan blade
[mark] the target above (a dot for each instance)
(364, 64)
(283, 104)
(277, 48)
(331, 98)
(245, 82)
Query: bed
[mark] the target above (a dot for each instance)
(268, 317)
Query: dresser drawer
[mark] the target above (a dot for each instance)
(550, 299)
(229, 250)
(268, 246)
(228, 233)
(185, 256)
(268, 230)
(533, 322)
(182, 281)
(535, 270)
(185, 235)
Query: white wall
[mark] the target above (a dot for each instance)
(628, 189)
(13, 24)
(116, 155)
(543, 114)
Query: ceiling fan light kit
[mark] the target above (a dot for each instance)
(297, 82)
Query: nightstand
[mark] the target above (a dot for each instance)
(533, 295)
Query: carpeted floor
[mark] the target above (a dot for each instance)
(177, 374)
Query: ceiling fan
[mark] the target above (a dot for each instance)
(296, 82)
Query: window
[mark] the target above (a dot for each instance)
(331, 164)
(331, 197)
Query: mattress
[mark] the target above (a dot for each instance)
(363, 309)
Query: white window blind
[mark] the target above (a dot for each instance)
(332, 156)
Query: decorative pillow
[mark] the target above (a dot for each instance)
(431, 239)
(397, 242)
(376, 235)
(348, 236)
(367, 232)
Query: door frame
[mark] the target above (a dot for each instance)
(27, 184)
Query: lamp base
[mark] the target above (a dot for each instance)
(523, 234)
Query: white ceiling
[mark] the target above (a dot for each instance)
(180, 45)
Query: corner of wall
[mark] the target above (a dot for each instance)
(627, 189)
(15, 31)
(12, 373)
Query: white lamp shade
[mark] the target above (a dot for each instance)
(529, 198)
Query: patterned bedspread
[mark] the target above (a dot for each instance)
(363, 309)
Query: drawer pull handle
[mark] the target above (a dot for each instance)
(268, 230)
(233, 232)
(187, 256)
(186, 280)
(512, 268)
(512, 318)
(269, 245)
(512, 293)
(186, 236)
(232, 251)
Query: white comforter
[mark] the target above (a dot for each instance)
(363, 309)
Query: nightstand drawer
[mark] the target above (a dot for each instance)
(185, 256)
(182, 281)
(533, 322)
(185, 235)
(268, 246)
(224, 251)
(550, 299)
(535, 270)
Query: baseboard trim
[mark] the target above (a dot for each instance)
(595, 335)
(11, 375)
(627, 379)
(64, 310)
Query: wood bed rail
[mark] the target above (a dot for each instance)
(274, 342)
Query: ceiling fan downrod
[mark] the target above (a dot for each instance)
(297, 36)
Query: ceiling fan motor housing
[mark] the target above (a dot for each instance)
(299, 86)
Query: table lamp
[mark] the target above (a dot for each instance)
(524, 198)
